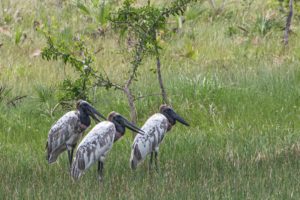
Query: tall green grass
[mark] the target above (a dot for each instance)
(240, 94)
(242, 143)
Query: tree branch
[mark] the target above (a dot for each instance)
(288, 24)
(136, 63)
(213, 4)
(15, 99)
(144, 96)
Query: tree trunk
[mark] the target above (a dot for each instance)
(161, 84)
(288, 24)
(133, 113)
(130, 98)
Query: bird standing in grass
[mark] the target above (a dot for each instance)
(66, 132)
(155, 129)
(98, 142)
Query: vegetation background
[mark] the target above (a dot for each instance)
(226, 72)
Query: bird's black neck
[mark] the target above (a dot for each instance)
(120, 131)
(84, 117)
(171, 120)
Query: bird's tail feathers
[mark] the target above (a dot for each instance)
(49, 156)
(77, 167)
(52, 155)
(133, 164)
(135, 157)
(75, 171)
(51, 159)
(47, 152)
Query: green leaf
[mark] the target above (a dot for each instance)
(18, 36)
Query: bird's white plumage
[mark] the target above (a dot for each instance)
(155, 128)
(66, 131)
(94, 147)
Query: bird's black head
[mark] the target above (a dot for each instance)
(121, 123)
(86, 110)
(171, 115)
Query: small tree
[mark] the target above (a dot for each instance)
(141, 25)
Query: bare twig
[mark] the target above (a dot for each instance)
(213, 4)
(288, 24)
(137, 61)
(243, 29)
(145, 96)
(105, 82)
(98, 50)
(54, 108)
(14, 100)
(222, 6)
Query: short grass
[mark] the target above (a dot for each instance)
(240, 93)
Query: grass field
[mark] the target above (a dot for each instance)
(239, 91)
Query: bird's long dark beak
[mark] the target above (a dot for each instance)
(132, 127)
(178, 118)
(94, 112)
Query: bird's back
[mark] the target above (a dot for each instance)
(95, 145)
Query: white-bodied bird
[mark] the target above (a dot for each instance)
(66, 132)
(98, 142)
(155, 129)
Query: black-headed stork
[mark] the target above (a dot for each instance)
(98, 142)
(155, 129)
(65, 133)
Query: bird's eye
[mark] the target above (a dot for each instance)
(117, 118)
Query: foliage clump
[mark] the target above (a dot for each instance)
(71, 89)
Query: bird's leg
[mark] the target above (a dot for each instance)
(100, 170)
(72, 150)
(150, 161)
(156, 161)
(70, 155)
